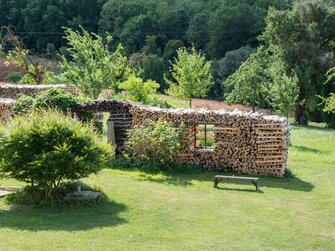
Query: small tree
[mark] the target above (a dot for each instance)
(47, 147)
(191, 75)
(93, 67)
(138, 90)
(34, 71)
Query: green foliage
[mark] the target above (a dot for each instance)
(198, 30)
(232, 26)
(52, 98)
(330, 104)
(151, 46)
(13, 77)
(157, 140)
(47, 147)
(50, 51)
(153, 68)
(93, 67)
(159, 102)
(35, 72)
(249, 85)
(23, 105)
(303, 39)
(56, 98)
(284, 89)
(138, 90)
(261, 81)
(191, 75)
(223, 68)
(149, 26)
(34, 196)
(171, 48)
(330, 101)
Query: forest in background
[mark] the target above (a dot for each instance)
(227, 33)
(150, 30)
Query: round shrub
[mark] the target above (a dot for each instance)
(56, 98)
(155, 141)
(47, 147)
(23, 105)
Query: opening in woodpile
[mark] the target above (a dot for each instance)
(204, 136)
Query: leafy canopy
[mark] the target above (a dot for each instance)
(93, 67)
(138, 90)
(157, 140)
(330, 101)
(47, 147)
(191, 75)
(261, 81)
(303, 37)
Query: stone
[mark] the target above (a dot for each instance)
(86, 194)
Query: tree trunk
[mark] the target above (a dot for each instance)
(253, 109)
(190, 102)
(299, 118)
(48, 191)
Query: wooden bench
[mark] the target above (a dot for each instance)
(220, 178)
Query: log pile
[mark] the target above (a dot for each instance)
(5, 107)
(246, 142)
(14, 91)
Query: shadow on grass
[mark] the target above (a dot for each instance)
(312, 127)
(69, 219)
(168, 180)
(290, 182)
(240, 190)
(309, 149)
(287, 183)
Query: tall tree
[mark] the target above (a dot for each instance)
(303, 38)
(191, 75)
(250, 84)
(261, 81)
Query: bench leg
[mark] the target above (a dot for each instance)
(216, 183)
(256, 185)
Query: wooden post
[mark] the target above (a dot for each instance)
(111, 133)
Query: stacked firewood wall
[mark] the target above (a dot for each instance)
(244, 142)
(119, 115)
(15, 91)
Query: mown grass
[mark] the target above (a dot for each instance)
(155, 211)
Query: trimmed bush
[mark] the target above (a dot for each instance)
(48, 147)
(158, 141)
(56, 98)
(23, 105)
(52, 98)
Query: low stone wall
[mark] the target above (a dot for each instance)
(14, 91)
(246, 142)
(5, 107)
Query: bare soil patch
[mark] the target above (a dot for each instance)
(218, 105)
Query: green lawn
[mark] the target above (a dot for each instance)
(184, 212)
